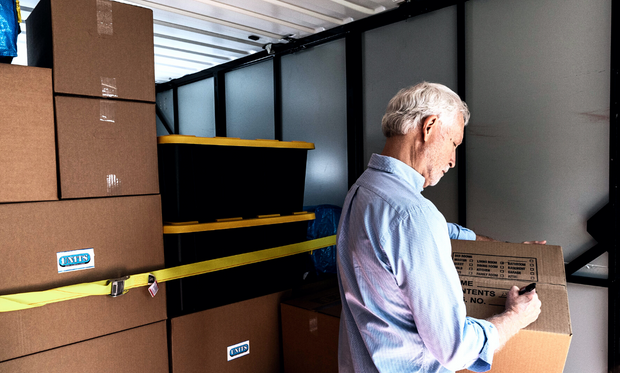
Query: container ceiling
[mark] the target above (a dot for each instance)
(194, 35)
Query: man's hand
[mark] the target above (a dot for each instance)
(480, 237)
(521, 311)
(526, 307)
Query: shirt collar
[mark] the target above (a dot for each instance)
(399, 168)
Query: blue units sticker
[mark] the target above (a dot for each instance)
(75, 260)
(238, 350)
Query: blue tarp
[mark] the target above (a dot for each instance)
(325, 224)
(9, 28)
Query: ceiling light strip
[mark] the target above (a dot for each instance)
(176, 67)
(264, 17)
(237, 51)
(251, 30)
(309, 12)
(183, 59)
(359, 8)
(193, 52)
(203, 32)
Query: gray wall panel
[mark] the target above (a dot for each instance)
(314, 110)
(537, 151)
(538, 142)
(588, 311)
(249, 102)
(197, 109)
(400, 55)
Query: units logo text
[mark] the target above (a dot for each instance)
(73, 260)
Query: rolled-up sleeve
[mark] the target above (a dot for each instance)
(457, 232)
(485, 359)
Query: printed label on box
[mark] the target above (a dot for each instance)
(496, 266)
(482, 293)
(75, 260)
(238, 350)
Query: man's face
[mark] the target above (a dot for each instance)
(441, 150)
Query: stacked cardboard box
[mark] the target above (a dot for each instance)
(236, 338)
(28, 155)
(102, 60)
(79, 150)
(144, 348)
(310, 323)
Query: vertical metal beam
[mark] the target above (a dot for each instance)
(219, 86)
(355, 101)
(162, 118)
(277, 97)
(614, 176)
(462, 161)
(175, 109)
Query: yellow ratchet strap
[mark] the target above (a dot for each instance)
(15, 302)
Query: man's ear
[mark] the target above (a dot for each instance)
(428, 126)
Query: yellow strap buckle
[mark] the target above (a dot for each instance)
(118, 286)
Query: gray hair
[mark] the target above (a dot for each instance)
(412, 105)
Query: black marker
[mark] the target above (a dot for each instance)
(528, 288)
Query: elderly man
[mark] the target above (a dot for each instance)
(402, 303)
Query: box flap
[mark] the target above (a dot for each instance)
(485, 298)
(531, 263)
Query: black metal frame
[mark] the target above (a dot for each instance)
(277, 97)
(602, 226)
(614, 176)
(461, 151)
(355, 103)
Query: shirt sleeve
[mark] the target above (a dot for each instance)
(484, 360)
(457, 232)
(422, 264)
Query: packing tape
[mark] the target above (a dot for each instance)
(107, 111)
(15, 302)
(104, 17)
(313, 325)
(108, 87)
(113, 185)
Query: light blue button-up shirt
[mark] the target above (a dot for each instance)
(457, 232)
(402, 301)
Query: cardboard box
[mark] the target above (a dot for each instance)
(97, 48)
(27, 156)
(138, 350)
(106, 147)
(310, 323)
(488, 270)
(310, 326)
(125, 236)
(239, 337)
